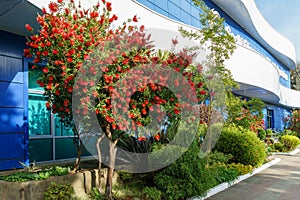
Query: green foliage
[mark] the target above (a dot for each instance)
(295, 78)
(96, 195)
(218, 157)
(247, 114)
(241, 168)
(289, 142)
(59, 191)
(269, 132)
(223, 173)
(261, 134)
(278, 147)
(243, 144)
(191, 175)
(152, 193)
(186, 177)
(36, 175)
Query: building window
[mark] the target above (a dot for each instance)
(270, 119)
(49, 140)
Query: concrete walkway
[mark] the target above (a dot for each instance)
(279, 182)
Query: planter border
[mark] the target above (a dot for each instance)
(224, 186)
(292, 153)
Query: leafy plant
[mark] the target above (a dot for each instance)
(289, 142)
(152, 193)
(241, 168)
(243, 144)
(36, 175)
(57, 191)
(186, 177)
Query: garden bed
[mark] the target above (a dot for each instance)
(82, 182)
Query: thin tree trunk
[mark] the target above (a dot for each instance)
(99, 158)
(78, 156)
(112, 158)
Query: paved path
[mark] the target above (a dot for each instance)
(279, 182)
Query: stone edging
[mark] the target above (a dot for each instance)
(292, 153)
(224, 186)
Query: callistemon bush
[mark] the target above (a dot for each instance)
(72, 41)
(67, 35)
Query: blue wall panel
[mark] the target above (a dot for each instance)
(11, 69)
(11, 120)
(11, 95)
(13, 102)
(12, 146)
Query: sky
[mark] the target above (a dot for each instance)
(284, 17)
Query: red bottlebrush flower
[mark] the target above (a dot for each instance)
(174, 41)
(135, 19)
(144, 111)
(125, 61)
(142, 138)
(202, 92)
(66, 102)
(113, 126)
(70, 59)
(55, 51)
(59, 1)
(27, 53)
(28, 27)
(70, 89)
(53, 7)
(113, 18)
(44, 10)
(142, 28)
(45, 70)
(176, 111)
(48, 106)
(157, 137)
(67, 11)
(108, 6)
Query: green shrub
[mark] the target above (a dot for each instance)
(244, 145)
(152, 193)
(269, 132)
(59, 191)
(242, 169)
(278, 146)
(289, 132)
(289, 142)
(261, 134)
(188, 176)
(36, 175)
(223, 173)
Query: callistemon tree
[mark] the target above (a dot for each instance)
(112, 76)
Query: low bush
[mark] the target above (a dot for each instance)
(191, 175)
(289, 142)
(240, 168)
(59, 191)
(278, 146)
(42, 174)
(152, 193)
(242, 144)
(261, 134)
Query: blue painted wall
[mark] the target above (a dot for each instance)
(13, 102)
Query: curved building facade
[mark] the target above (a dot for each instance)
(261, 64)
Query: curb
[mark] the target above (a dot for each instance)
(292, 153)
(224, 186)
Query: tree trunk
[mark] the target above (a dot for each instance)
(112, 158)
(78, 157)
(99, 159)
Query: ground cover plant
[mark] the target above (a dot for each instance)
(36, 175)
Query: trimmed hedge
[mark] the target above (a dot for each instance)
(243, 144)
(289, 142)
